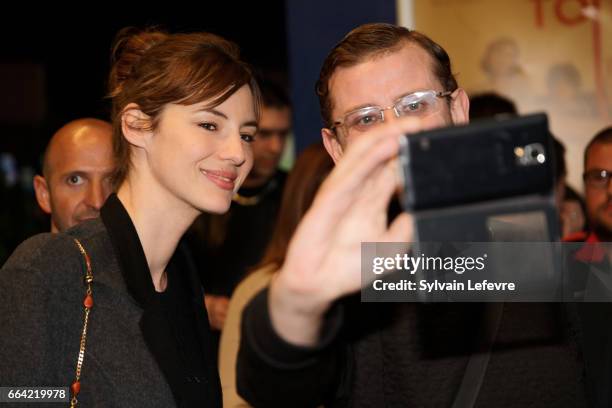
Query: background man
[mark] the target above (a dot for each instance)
(77, 169)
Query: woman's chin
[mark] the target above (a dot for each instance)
(220, 207)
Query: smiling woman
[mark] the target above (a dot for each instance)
(198, 155)
(113, 307)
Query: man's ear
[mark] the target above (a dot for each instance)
(332, 144)
(460, 107)
(42, 193)
(135, 125)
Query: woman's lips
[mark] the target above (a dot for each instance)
(223, 179)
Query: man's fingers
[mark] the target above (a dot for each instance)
(401, 229)
(378, 191)
(367, 153)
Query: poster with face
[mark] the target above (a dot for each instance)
(552, 56)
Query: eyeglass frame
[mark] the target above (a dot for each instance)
(437, 94)
(592, 183)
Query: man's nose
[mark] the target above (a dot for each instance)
(96, 195)
(276, 143)
(389, 115)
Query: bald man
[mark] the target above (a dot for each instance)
(77, 169)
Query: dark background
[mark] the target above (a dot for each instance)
(54, 62)
(71, 50)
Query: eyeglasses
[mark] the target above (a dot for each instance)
(597, 178)
(417, 104)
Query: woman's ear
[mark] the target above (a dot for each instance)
(136, 125)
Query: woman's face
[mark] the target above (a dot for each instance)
(201, 155)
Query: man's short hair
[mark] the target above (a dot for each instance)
(604, 136)
(370, 40)
(273, 95)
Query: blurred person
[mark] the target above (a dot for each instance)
(309, 171)
(565, 94)
(504, 71)
(20, 216)
(569, 204)
(489, 105)
(591, 268)
(77, 167)
(271, 138)
(598, 189)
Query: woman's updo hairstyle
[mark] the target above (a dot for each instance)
(151, 69)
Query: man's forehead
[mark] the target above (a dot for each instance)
(81, 154)
(600, 156)
(83, 167)
(382, 78)
(274, 117)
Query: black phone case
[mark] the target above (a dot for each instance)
(488, 160)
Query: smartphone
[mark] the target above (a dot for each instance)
(487, 160)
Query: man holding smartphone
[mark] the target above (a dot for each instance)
(306, 342)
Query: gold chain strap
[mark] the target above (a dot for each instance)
(75, 388)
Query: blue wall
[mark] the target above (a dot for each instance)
(313, 28)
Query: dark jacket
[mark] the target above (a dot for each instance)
(41, 318)
(413, 355)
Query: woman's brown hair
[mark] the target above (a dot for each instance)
(152, 68)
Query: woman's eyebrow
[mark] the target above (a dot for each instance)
(250, 123)
(214, 112)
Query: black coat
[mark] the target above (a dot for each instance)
(413, 355)
(41, 318)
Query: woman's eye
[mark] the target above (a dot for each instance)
(208, 126)
(248, 138)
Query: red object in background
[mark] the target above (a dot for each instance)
(570, 20)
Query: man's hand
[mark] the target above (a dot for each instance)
(323, 262)
(216, 306)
